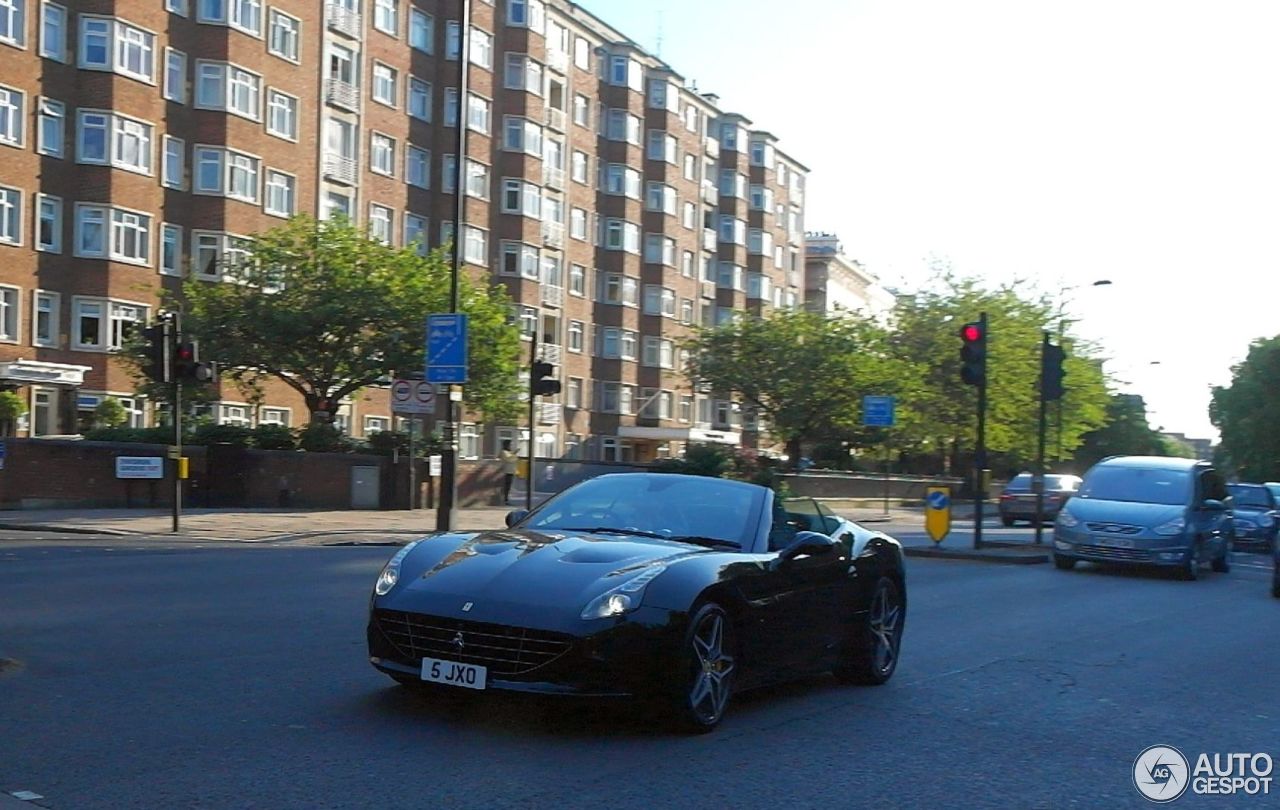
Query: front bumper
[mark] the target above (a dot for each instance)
(1137, 550)
(634, 655)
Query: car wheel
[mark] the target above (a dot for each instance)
(1063, 563)
(1007, 521)
(1190, 570)
(708, 682)
(873, 655)
(1221, 565)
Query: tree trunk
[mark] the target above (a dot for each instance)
(793, 452)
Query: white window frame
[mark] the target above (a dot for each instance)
(268, 192)
(10, 313)
(422, 31)
(230, 77)
(415, 232)
(476, 245)
(168, 229)
(386, 17)
(246, 16)
(175, 87)
(282, 103)
(57, 51)
(417, 101)
(10, 216)
(384, 81)
(382, 154)
(54, 311)
(173, 176)
(122, 36)
(51, 111)
(292, 26)
(382, 223)
(417, 166)
(13, 127)
(55, 203)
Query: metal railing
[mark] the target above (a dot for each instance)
(342, 94)
(552, 296)
(553, 233)
(556, 119)
(552, 176)
(342, 169)
(343, 20)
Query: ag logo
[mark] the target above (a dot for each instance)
(1161, 773)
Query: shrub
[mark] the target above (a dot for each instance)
(319, 437)
(274, 437)
(234, 435)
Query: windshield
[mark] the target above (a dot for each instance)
(1136, 485)
(669, 506)
(1257, 497)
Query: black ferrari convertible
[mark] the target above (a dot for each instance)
(678, 588)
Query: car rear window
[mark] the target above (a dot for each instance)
(1250, 496)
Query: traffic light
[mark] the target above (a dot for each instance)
(539, 384)
(156, 345)
(1051, 371)
(187, 365)
(973, 354)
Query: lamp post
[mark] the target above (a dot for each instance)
(445, 520)
(1057, 411)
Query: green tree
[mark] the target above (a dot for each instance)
(109, 413)
(1126, 433)
(12, 409)
(1248, 410)
(939, 416)
(327, 310)
(802, 372)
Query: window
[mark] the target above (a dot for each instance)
(580, 167)
(386, 16)
(9, 314)
(451, 106)
(53, 31)
(44, 326)
(478, 114)
(477, 180)
(382, 154)
(246, 15)
(660, 197)
(415, 232)
(732, 230)
(223, 86)
(659, 249)
(761, 198)
(274, 416)
(582, 53)
(621, 235)
(116, 46)
(577, 280)
(178, 7)
(418, 102)
(526, 14)
(417, 167)
(12, 116)
(620, 179)
(522, 73)
(759, 242)
(279, 193)
(452, 40)
(283, 35)
(13, 22)
(621, 125)
(581, 110)
(282, 115)
(521, 135)
(448, 174)
(617, 289)
(576, 336)
(384, 84)
(175, 76)
(171, 250)
(226, 172)
(520, 197)
(659, 300)
(380, 223)
(519, 259)
(214, 254)
(661, 146)
(173, 169)
(578, 223)
(626, 72)
(114, 140)
(48, 223)
(475, 246)
(481, 51)
(105, 232)
(51, 134)
(422, 30)
(730, 276)
(10, 216)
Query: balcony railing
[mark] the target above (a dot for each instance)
(549, 413)
(342, 169)
(343, 20)
(553, 234)
(558, 60)
(710, 192)
(556, 119)
(708, 239)
(552, 353)
(552, 296)
(552, 176)
(342, 94)
(713, 148)
(708, 289)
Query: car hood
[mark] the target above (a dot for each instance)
(522, 575)
(1137, 514)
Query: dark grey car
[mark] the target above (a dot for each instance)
(1018, 500)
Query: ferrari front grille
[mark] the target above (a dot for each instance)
(502, 649)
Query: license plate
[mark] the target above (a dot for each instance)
(1114, 542)
(452, 673)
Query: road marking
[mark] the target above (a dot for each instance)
(25, 795)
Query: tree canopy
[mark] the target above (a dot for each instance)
(1126, 433)
(327, 310)
(1247, 412)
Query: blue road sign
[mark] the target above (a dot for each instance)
(938, 500)
(877, 411)
(447, 348)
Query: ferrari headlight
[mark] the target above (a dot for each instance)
(391, 571)
(627, 596)
(1171, 528)
(1067, 520)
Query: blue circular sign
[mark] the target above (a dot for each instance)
(938, 500)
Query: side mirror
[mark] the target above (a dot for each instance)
(515, 516)
(1213, 505)
(809, 543)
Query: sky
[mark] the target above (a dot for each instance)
(1052, 143)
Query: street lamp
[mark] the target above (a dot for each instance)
(1062, 320)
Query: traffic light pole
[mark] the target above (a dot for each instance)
(533, 407)
(980, 452)
(1038, 483)
(173, 336)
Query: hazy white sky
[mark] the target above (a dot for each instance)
(1130, 140)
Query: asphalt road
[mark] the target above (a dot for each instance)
(144, 674)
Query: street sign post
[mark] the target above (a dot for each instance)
(878, 411)
(937, 512)
(447, 348)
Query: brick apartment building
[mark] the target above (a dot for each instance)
(142, 140)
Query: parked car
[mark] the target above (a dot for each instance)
(1147, 510)
(1256, 515)
(684, 589)
(1018, 499)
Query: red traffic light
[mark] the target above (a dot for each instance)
(971, 333)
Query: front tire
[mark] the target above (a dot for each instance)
(873, 656)
(1221, 564)
(1063, 563)
(1190, 570)
(704, 691)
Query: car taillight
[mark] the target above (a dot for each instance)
(1004, 496)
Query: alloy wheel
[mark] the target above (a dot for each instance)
(713, 668)
(886, 627)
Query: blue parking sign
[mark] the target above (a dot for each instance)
(877, 411)
(447, 348)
